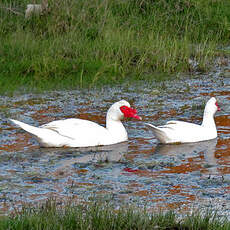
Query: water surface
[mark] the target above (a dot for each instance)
(141, 171)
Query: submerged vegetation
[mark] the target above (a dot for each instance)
(50, 216)
(86, 43)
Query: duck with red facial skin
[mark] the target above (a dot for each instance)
(185, 132)
(129, 112)
(83, 133)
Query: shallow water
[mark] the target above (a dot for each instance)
(141, 171)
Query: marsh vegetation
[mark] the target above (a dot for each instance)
(96, 42)
(103, 217)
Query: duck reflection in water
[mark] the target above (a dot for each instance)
(207, 148)
(109, 153)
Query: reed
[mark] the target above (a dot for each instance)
(53, 215)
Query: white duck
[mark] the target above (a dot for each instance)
(185, 132)
(83, 133)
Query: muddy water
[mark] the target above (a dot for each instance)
(140, 171)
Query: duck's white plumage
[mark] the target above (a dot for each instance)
(83, 133)
(185, 132)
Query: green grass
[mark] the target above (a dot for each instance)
(104, 217)
(97, 42)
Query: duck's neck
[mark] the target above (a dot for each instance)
(208, 120)
(116, 129)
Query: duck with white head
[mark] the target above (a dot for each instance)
(75, 132)
(186, 132)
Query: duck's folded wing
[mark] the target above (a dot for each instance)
(178, 124)
(74, 128)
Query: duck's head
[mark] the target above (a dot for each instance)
(212, 106)
(122, 109)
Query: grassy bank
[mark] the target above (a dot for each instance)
(93, 42)
(51, 216)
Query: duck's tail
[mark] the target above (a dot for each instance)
(36, 131)
(158, 132)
